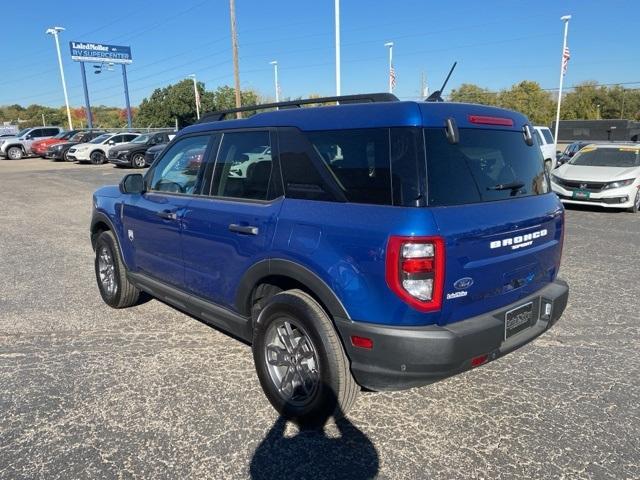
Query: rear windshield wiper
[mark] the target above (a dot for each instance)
(513, 186)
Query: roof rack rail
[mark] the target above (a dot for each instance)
(362, 98)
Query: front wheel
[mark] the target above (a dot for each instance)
(300, 361)
(636, 203)
(97, 158)
(111, 275)
(15, 153)
(137, 160)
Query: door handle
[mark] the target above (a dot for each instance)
(245, 229)
(168, 215)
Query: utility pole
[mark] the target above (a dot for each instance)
(195, 94)
(126, 94)
(86, 95)
(234, 47)
(337, 22)
(275, 76)
(391, 72)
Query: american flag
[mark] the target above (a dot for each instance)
(392, 77)
(565, 60)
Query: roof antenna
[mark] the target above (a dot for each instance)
(437, 95)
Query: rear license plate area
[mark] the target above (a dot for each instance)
(518, 319)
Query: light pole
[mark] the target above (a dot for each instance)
(55, 31)
(337, 20)
(391, 72)
(196, 94)
(563, 69)
(275, 76)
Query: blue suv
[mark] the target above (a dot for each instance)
(375, 243)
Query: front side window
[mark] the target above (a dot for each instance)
(485, 165)
(178, 169)
(244, 167)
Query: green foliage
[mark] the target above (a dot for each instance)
(587, 101)
(592, 102)
(470, 93)
(177, 101)
(529, 98)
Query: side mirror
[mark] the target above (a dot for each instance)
(28, 137)
(111, 142)
(132, 183)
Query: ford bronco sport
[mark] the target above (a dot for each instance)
(380, 243)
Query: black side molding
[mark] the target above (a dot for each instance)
(226, 320)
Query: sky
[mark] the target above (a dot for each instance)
(496, 43)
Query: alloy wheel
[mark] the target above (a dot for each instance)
(107, 271)
(292, 361)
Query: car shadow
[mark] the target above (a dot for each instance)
(315, 452)
(592, 208)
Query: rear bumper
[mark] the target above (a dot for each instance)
(405, 357)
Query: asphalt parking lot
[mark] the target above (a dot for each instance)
(149, 392)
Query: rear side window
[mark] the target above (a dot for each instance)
(485, 165)
(547, 135)
(379, 166)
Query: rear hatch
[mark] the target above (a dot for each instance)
(489, 196)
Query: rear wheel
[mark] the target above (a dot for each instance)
(137, 160)
(15, 153)
(300, 360)
(636, 203)
(97, 157)
(111, 275)
(65, 156)
(547, 165)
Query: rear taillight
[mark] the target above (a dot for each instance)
(415, 270)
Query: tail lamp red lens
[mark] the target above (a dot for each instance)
(415, 270)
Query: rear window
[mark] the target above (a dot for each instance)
(484, 166)
(547, 135)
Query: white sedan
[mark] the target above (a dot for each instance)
(96, 150)
(607, 175)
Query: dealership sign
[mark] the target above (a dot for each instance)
(99, 52)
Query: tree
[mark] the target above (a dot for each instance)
(470, 93)
(528, 97)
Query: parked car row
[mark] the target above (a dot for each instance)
(85, 146)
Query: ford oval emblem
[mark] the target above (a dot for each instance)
(463, 283)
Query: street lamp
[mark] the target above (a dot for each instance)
(391, 72)
(275, 74)
(55, 31)
(195, 94)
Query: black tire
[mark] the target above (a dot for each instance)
(124, 294)
(15, 153)
(137, 160)
(548, 165)
(333, 389)
(636, 203)
(65, 156)
(97, 157)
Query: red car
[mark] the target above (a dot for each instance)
(39, 148)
